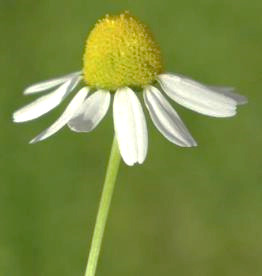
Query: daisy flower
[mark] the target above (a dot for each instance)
(121, 61)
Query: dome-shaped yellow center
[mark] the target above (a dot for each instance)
(121, 51)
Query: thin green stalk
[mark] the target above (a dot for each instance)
(110, 179)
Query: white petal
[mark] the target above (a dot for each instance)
(230, 92)
(45, 103)
(165, 118)
(196, 96)
(45, 85)
(130, 126)
(69, 112)
(91, 112)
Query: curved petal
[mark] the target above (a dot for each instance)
(91, 112)
(196, 96)
(69, 112)
(130, 126)
(230, 92)
(45, 103)
(166, 119)
(45, 85)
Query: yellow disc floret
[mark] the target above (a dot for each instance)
(121, 51)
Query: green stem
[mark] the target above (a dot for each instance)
(110, 179)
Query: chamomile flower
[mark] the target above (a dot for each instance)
(121, 60)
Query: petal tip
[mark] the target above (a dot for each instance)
(243, 100)
(37, 139)
(193, 145)
(140, 162)
(33, 141)
(128, 163)
(16, 118)
(189, 145)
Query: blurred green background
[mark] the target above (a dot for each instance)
(184, 211)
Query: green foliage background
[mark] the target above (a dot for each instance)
(184, 211)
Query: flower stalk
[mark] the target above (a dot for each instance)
(103, 210)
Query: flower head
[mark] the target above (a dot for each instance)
(121, 54)
(121, 51)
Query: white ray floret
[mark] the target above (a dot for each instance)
(48, 84)
(69, 112)
(91, 112)
(130, 126)
(45, 103)
(196, 96)
(84, 113)
(166, 119)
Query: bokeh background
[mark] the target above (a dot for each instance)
(184, 211)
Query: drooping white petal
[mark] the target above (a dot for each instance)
(45, 103)
(69, 112)
(48, 84)
(91, 112)
(196, 96)
(166, 119)
(130, 126)
(230, 92)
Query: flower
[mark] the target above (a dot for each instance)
(120, 60)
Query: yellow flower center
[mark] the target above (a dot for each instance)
(121, 51)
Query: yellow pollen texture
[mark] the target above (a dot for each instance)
(121, 51)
